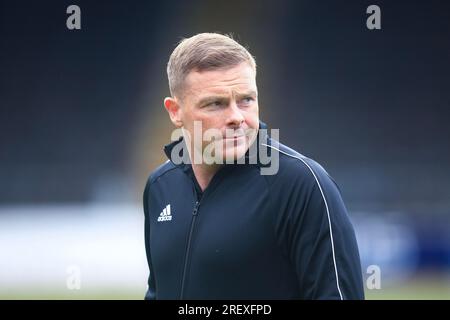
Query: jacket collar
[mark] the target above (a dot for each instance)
(262, 138)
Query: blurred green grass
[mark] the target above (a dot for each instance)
(49, 294)
(417, 288)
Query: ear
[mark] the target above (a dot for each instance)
(174, 109)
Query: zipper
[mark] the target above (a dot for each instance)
(188, 248)
(187, 259)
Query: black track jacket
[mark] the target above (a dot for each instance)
(250, 236)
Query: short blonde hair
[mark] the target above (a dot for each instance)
(203, 52)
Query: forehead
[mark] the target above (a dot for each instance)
(221, 81)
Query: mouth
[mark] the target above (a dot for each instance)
(234, 138)
(237, 134)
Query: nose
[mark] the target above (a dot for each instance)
(234, 116)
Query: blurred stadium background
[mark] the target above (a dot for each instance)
(82, 125)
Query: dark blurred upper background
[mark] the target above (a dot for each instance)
(82, 116)
(82, 120)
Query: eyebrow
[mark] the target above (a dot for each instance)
(250, 93)
(209, 99)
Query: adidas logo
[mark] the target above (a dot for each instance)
(165, 215)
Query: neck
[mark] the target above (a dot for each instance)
(204, 173)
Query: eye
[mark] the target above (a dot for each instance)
(247, 101)
(213, 104)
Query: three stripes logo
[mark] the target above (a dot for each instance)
(165, 215)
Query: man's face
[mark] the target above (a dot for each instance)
(225, 100)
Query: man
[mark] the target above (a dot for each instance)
(222, 229)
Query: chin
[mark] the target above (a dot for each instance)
(234, 153)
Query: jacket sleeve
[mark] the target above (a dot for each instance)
(321, 239)
(151, 291)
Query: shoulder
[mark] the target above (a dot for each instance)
(296, 167)
(160, 171)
